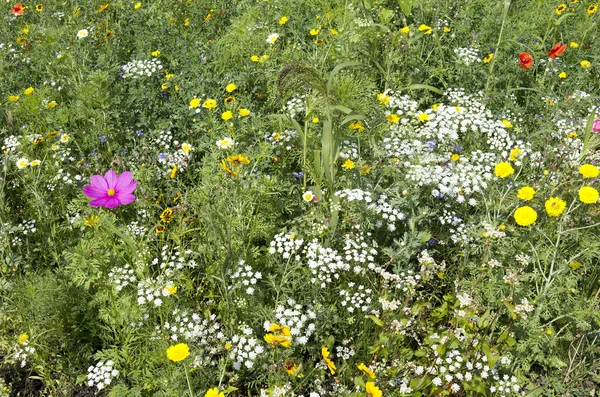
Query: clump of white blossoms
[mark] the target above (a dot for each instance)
(172, 262)
(295, 106)
(358, 253)
(299, 320)
(523, 308)
(286, 245)
(141, 68)
(427, 148)
(245, 277)
(283, 139)
(175, 157)
(101, 374)
(360, 299)
(244, 349)
(24, 351)
(192, 327)
(349, 150)
(325, 263)
(467, 56)
(121, 276)
(152, 291)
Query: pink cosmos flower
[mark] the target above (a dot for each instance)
(109, 190)
(596, 126)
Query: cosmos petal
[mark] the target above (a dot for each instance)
(99, 182)
(94, 192)
(125, 198)
(128, 188)
(122, 181)
(111, 178)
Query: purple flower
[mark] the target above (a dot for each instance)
(103, 138)
(596, 126)
(110, 190)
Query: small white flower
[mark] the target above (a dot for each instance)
(22, 163)
(272, 38)
(225, 143)
(308, 196)
(82, 34)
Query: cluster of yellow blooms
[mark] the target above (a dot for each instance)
(554, 206)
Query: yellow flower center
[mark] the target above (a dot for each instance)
(111, 192)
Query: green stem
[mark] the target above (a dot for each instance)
(187, 377)
(493, 63)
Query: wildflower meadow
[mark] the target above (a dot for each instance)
(311, 198)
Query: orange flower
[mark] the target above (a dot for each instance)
(557, 50)
(18, 9)
(525, 60)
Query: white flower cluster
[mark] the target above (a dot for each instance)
(325, 264)
(389, 213)
(358, 253)
(246, 276)
(345, 351)
(453, 369)
(300, 321)
(295, 106)
(135, 229)
(137, 69)
(456, 227)
(121, 277)
(406, 281)
(283, 139)
(27, 227)
(403, 106)
(10, 144)
(523, 259)
(245, 349)
(429, 266)
(467, 56)
(507, 386)
(22, 353)
(428, 152)
(152, 290)
(172, 262)
(101, 374)
(192, 327)
(358, 300)
(286, 245)
(355, 195)
(277, 391)
(491, 231)
(523, 308)
(349, 150)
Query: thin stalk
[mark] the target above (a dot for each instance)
(188, 380)
(495, 57)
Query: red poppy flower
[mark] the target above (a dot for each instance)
(557, 50)
(18, 9)
(525, 60)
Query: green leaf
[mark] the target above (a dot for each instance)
(352, 117)
(230, 389)
(340, 67)
(423, 87)
(358, 381)
(406, 6)
(80, 378)
(511, 342)
(492, 356)
(376, 320)
(560, 20)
